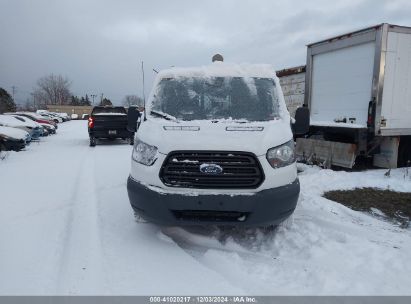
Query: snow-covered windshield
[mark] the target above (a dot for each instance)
(213, 98)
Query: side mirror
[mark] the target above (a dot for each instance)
(133, 117)
(302, 121)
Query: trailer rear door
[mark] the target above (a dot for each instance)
(396, 97)
(341, 84)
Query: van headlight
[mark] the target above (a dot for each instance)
(143, 153)
(281, 156)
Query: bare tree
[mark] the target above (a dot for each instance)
(133, 100)
(52, 89)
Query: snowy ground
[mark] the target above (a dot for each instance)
(66, 228)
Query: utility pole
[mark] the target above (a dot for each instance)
(101, 99)
(92, 96)
(13, 88)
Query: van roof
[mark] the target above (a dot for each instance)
(220, 69)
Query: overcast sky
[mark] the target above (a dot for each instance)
(99, 44)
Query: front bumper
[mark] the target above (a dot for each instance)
(263, 208)
(14, 145)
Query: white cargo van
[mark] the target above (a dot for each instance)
(215, 146)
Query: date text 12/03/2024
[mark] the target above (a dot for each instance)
(203, 299)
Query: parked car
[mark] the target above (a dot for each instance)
(60, 119)
(110, 123)
(23, 123)
(85, 116)
(10, 121)
(74, 116)
(50, 129)
(63, 115)
(13, 139)
(215, 146)
(56, 119)
(37, 128)
(37, 118)
(45, 131)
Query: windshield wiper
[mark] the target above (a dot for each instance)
(162, 115)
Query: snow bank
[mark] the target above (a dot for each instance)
(327, 249)
(78, 236)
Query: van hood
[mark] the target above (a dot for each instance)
(255, 137)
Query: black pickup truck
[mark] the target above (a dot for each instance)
(108, 122)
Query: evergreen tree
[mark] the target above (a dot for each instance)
(106, 102)
(7, 103)
(74, 101)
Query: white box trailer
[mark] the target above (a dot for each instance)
(292, 81)
(358, 90)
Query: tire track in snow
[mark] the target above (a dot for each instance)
(80, 270)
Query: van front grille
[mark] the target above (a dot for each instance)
(237, 170)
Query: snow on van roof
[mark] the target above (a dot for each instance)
(221, 69)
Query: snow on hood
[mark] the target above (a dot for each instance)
(13, 132)
(10, 121)
(255, 137)
(33, 115)
(27, 121)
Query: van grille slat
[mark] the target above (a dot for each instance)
(241, 170)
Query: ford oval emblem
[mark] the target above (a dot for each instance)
(211, 169)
